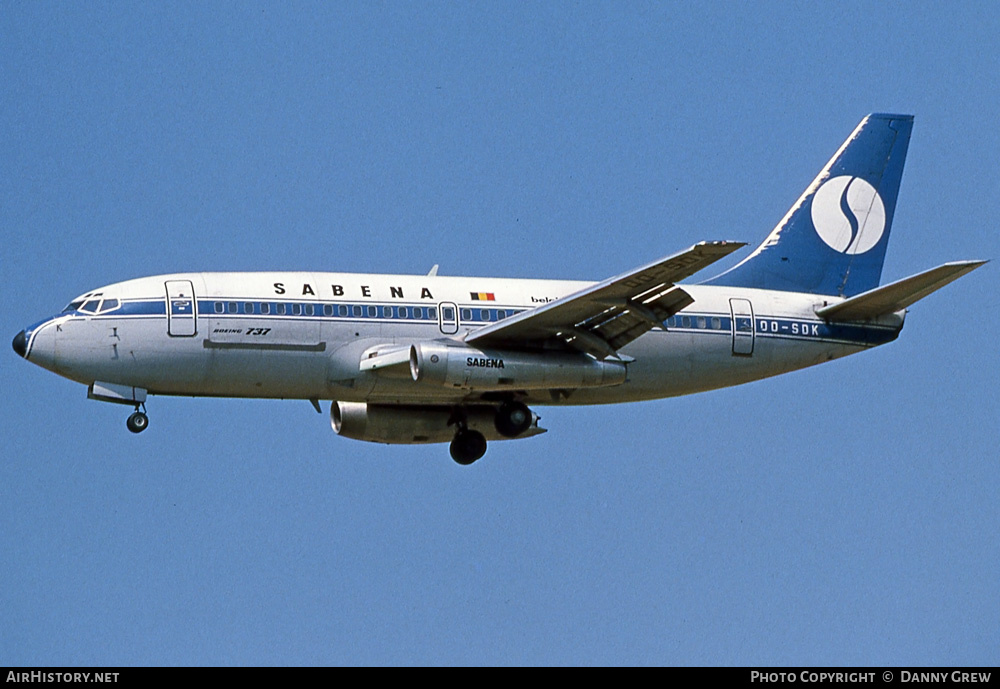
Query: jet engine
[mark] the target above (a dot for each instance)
(436, 363)
(412, 424)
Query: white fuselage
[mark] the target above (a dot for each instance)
(302, 335)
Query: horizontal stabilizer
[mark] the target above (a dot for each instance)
(897, 295)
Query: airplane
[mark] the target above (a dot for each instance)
(413, 359)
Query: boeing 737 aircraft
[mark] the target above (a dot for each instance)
(432, 359)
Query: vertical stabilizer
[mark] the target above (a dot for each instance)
(833, 240)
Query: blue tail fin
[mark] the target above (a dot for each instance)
(833, 239)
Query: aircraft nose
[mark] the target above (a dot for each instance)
(20, 343)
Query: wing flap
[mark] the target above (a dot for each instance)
(897, 295)
(623, 322)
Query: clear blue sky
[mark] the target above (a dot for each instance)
(845, 514)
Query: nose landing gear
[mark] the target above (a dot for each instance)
(138, 421)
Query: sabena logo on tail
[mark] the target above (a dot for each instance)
(848, 214)
(833, 239)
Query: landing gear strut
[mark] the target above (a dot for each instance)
(511, 419)
(138, 421)
(468, 445)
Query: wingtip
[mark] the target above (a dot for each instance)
(970, 264)
(722, 243)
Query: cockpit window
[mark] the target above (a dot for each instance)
(91, 305)
(80, 301)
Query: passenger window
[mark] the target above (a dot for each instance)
(716, 323)
(701, 321)
(685, 321)
(218, 307)
(308, 309)
(232, 307)
(279, 309)
(372, 311)
(357, 311)
(449, 313)
(466, 314)
(296, 309)
(247, 307)
(265, 308)
(432, 313)
(327, 309)
(386, 312)
(342, 310)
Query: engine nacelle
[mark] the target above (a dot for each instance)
(458, 366)
(410, 425)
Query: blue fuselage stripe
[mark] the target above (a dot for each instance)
(688, 322)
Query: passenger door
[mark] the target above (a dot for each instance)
(182, 309)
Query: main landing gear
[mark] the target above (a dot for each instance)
(468, 446)
(138, 421)
(511, 420)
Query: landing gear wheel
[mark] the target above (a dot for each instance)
(137, 422)
(512, 419)
(468, 446)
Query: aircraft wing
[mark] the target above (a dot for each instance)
(605, 317)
